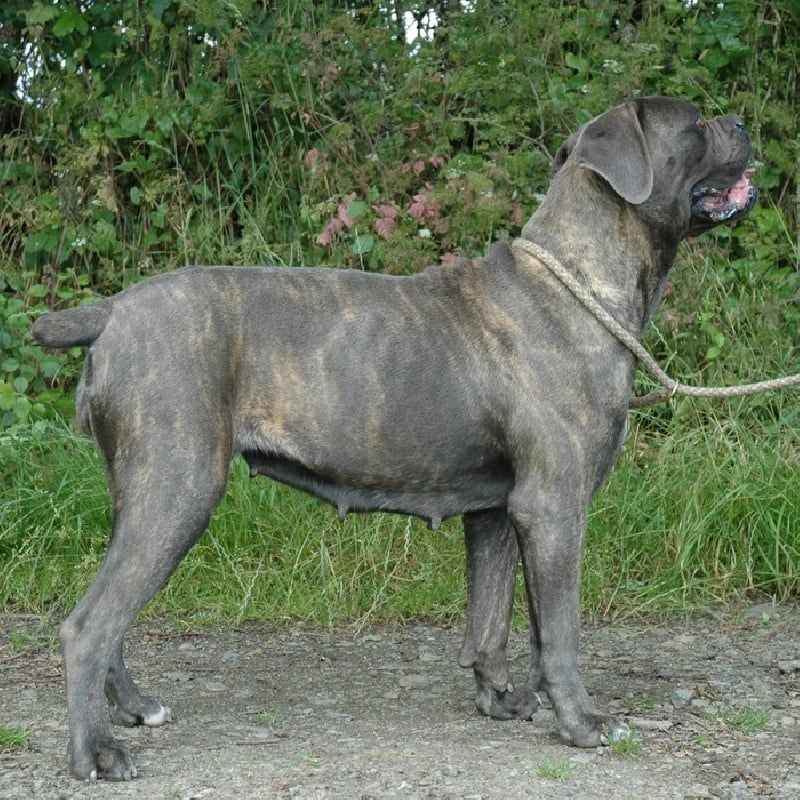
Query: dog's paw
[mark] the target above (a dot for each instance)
(107, 760)
(593, 730)
(158, 716)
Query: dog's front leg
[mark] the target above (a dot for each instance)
(551, 528)
(492, 558)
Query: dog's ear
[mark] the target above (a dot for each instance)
(613, 145)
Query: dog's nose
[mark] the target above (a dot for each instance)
(732, 120)
(732, 123)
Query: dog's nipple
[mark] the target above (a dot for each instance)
(343, 512)
(435, 523)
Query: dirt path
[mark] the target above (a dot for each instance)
(300, 713)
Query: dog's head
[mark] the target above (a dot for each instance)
(680, 170)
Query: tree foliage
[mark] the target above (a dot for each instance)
(141, 136)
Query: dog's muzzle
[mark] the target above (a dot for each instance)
(712, 206)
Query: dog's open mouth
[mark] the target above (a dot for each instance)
(711, 206)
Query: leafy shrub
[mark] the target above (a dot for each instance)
(29, 377)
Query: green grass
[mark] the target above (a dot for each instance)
(627, 745)
(309, 760)
(14, 738)
(269, 553)
(269, 718)
(555, 770)
(22, 641)
(746, 720)
(706, 514)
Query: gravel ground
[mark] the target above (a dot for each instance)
(296, 712)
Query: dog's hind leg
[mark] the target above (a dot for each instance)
(163, 493)
(492, 559)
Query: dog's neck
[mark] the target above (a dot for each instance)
(624, 264)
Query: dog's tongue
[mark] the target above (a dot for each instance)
(740, 191)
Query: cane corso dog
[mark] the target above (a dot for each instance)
(478, 388)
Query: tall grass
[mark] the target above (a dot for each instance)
(706, 515)
(701, 516)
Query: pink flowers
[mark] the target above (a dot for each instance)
(384, 217)
(419, 166)
(387, 219)
(424, 206)
(335, 224)
(349, 211)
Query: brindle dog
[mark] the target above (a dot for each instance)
(480, 388)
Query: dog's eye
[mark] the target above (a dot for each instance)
(702, 126)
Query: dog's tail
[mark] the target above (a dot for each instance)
(72, 327)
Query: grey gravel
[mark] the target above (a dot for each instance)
(296, 712)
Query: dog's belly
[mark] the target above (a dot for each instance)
(433, 500)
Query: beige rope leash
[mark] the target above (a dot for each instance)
(671, 387)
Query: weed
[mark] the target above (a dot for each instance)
(627, 745)
(14, 738)
(309, 760)
(555, 770)
(747, 720)
(269, 718)
(22, 641)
